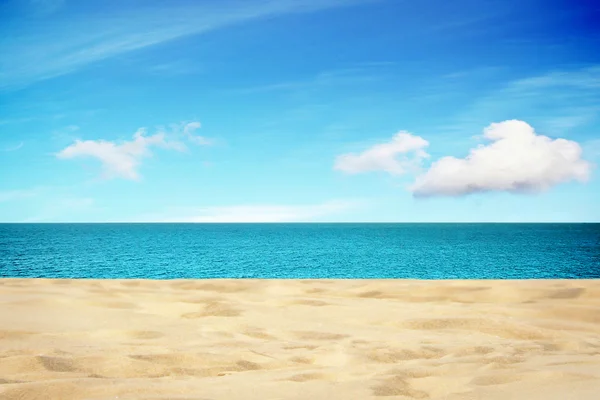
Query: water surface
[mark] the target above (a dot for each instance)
(426, 251)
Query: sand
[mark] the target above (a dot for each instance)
(312, 339)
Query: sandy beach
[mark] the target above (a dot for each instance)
(312, 339)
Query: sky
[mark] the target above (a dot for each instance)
(299, 111)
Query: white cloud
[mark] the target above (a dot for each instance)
(119, 160)
(517, 160)
(123, 159)
(263, 213)
(188, 131)
(391, 157)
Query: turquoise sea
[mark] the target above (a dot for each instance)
(426, 251)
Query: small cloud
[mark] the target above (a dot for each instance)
(13, 195)
(517, 160)
(66, 133)
(586, 78)
(122, 160)
(119, 160)
(174, 68)
(189, 129)
(266, 213)
(13, 148)
(562, 99)
(571, 118)
(391, 157)
(15, 120)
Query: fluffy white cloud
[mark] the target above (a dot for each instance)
(123, 159)
(120, 160)
(262, 213)
(517, 160)
(402, 153)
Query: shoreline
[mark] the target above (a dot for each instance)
(299, 338)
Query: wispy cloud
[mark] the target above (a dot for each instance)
(262, 212)
(18, 194)
(352, 75)
(123, 159)
(13, 147)
(174, 68)
(189, 130)
(66, 42)
(10, 121)
(557, 100)
(392, 157)
(586, 78)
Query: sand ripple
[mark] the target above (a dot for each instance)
(312, 339)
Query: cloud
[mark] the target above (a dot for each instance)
(12, 195)
(77, 36)
(119, 160)
(556, 100)
(585, 78)
(122, 160)
(264, 213)
(366, 72)
(517, 160)
(391, 157)
(188, 131)
(13, 148)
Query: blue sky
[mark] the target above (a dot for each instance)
(305, 110)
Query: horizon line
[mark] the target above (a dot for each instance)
(293, 222)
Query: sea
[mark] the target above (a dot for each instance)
(301, 251)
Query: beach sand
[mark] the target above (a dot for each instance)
(299, 339)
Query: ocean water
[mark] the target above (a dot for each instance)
(426, 251)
